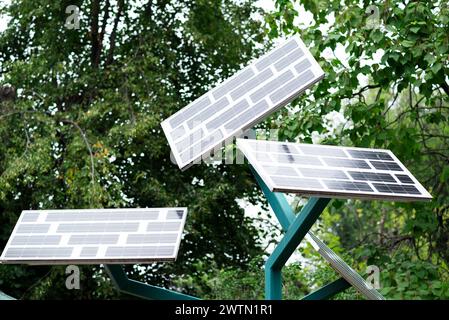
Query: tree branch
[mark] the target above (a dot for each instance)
(83, 135)
(94, 33)
(378, 94)
(113, 35)
(28, 140)
(370, 86)
(445, 87)
(21, 112)
(102, 31)
(105, 21)
(7, 93)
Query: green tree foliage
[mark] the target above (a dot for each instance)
(402, 105)
(84, 130)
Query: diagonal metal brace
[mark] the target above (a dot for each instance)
(329, 290)
(140, 289)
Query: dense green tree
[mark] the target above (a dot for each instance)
(84, 130)
(81, 129)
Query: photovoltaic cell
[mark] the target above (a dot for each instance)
(302, 66)
(386, 165)
(208, 112)
(292, 158)
(346, 163)
(89, 252)
(35, 240)
(163, 226)
(297, 182)
(281, 171)
(251, 84)
(404, 178)
(323, 173)
(276, 54)
(33, 228)
(152, 238)
(263, 157)
(233, 112)
(97, 227)
(396, 188)
(187, 113)
(347, 185)
(38, 252)
(30, 217)
(175, 214)
(322, 151)
(105, 215)
(78, 239)
(246, 116)
(371, 176)
(96, 236)
(289, 89)
(140, 251)
(178, 133)
(292, 57)
(241, 101)
(373, 155)
(271, 86)
(328, 171)
(231, 85)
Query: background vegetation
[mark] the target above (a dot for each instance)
(82, 129)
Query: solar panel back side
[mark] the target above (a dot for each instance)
(241, 101)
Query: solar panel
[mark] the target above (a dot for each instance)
(329, 171)
(96, 236)
(343, 269)
(241, 101)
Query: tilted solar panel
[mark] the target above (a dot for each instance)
(96, 236)
(241, 101)
(329, 171)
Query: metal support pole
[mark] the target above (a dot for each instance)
(296, 227)
(139, 289)
(291, 240)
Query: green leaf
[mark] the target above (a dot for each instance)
(408, 43)
(436, 67)
(377, 35)
(430, 58)
(444, 177)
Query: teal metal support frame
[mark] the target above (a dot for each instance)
(291, 240)
(140, 289)
(329, 290)
(295, 226)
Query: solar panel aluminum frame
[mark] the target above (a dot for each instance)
(228, 138)
(89, 260)
(345, 271)
(243, 145)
